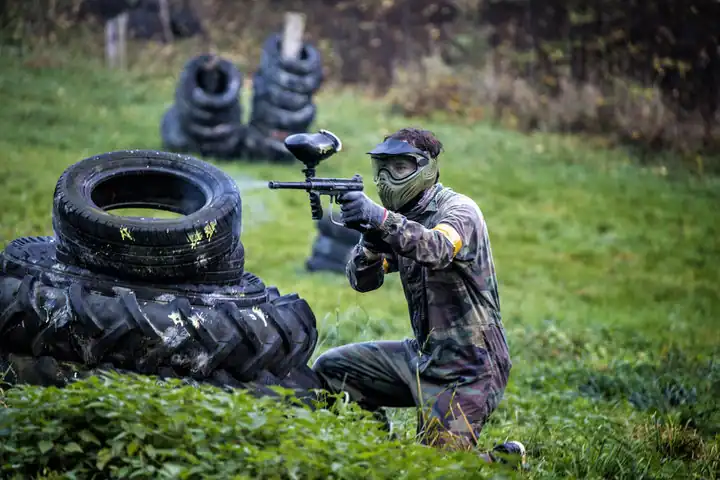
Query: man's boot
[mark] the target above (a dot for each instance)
(380, 414)
(510, 453)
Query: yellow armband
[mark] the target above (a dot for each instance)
(452, 235)
(386, 265)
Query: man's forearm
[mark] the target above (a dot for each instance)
(435, 248)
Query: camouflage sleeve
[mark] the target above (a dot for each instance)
(366, 273)
(456, 235)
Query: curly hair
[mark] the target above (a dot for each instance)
(422, 139)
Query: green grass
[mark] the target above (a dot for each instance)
(608, 271)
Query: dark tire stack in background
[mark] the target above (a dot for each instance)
(144, 18)
(207, 121)
(164, 297)
(332, 247)
(206, 117)
(282, 99)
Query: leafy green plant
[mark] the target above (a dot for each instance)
(136, 427)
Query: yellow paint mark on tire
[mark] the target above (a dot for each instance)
(125, 234)
(195, 238)
(210, 229)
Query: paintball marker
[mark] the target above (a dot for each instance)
(311, 149)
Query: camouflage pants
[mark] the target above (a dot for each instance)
(385, 374)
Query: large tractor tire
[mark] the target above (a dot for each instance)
(243, 332)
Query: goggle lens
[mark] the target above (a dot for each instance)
(398, 167)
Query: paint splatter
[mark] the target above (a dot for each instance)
(195, 239)
(125, 234)
(210, 229)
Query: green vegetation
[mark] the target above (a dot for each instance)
(609, 279)
(163, 432)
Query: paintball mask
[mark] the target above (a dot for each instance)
(401, 172)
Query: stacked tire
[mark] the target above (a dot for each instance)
(144, 19)
(206, 117)
(282, 101)
(332, 247)
(166, 297)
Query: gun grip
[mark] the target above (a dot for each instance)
(315, 206)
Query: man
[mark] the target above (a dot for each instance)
(457, 365)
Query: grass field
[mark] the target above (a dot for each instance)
(608, 272)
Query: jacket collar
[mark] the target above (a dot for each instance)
(427, 203)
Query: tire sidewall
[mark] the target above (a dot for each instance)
(72, 206)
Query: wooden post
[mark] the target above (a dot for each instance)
(293, 35)
(111, 45)
(292, 41)
(115, 41)
(122, 38)
(210, 76)
(165, 20)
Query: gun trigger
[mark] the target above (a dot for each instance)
(331, 216)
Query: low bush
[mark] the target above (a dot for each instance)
(667, 383)
(137, 427)
(621, 110)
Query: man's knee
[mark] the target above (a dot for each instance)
(328, 362)
(351, 357)
(373, 372)
(333, 367)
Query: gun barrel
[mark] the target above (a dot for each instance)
(320, 185)
(289, 185)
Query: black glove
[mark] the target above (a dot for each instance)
(359, 212)
(372, 240)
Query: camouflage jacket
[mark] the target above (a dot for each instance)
(442, 251)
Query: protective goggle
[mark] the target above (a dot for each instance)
(398, 167)
(398, 158)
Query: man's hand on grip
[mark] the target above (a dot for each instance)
(358, 210)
